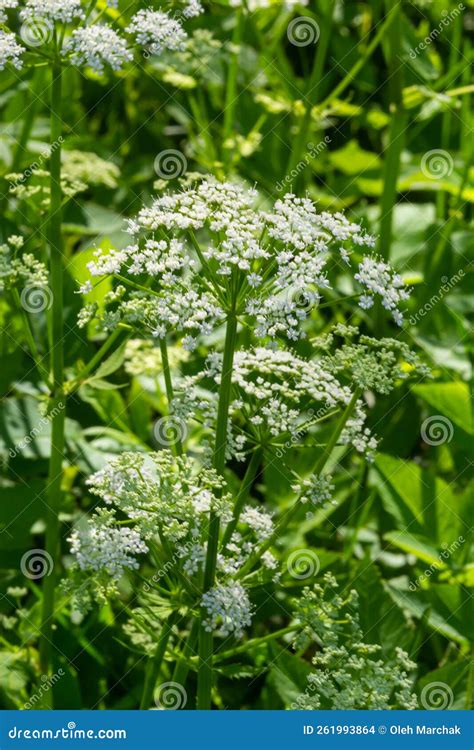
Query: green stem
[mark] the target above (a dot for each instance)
(397, 129)
(254, 642)
(231, 88)
(352, 73)
(181, 669)
(30, 339)
(247, 482)
(177, 444)
(94, 361)
(205, 637)
(154, 665)
(447, 118)
(58, 408)
(293, 511)
(312, 91)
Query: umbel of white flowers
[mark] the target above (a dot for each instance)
(210, 248)
(171, 497)
(86, 41)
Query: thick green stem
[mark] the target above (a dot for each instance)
(293, 511)
(177, 444)
(205, 638)
(181, 669)
(247, 482)
(58, 406)
(154, 665)
(397, 129)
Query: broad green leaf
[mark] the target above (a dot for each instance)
(419, 500)
(451, 399)
(415, 606)
(417, 546)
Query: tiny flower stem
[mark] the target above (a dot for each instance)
(293, 511)
(57, 371)
(205, 637)
(247, 482)
(154, 665)
(177, 444)
(254, 642)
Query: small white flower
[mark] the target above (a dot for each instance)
(4, 6)
(10, 51)
(157, 31)
(55, 10)
(96, 46)
(228, 608)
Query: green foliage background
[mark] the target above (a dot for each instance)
(393, 519)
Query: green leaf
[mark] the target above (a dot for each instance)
(418, 608)
(451, 399)
(417, 546)
(418, 499)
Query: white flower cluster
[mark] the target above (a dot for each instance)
(170, 498)
(275, 394)
(379, 278)
(10, 51)
(63, 11)
(348, 674)
(4, 6)
(102, 546)
(229, 610)
(157, 31)
(271, 266)
(95, 46)
(24, 270)
(315, 489)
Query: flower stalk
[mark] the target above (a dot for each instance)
(206, 637)
(57, 401)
